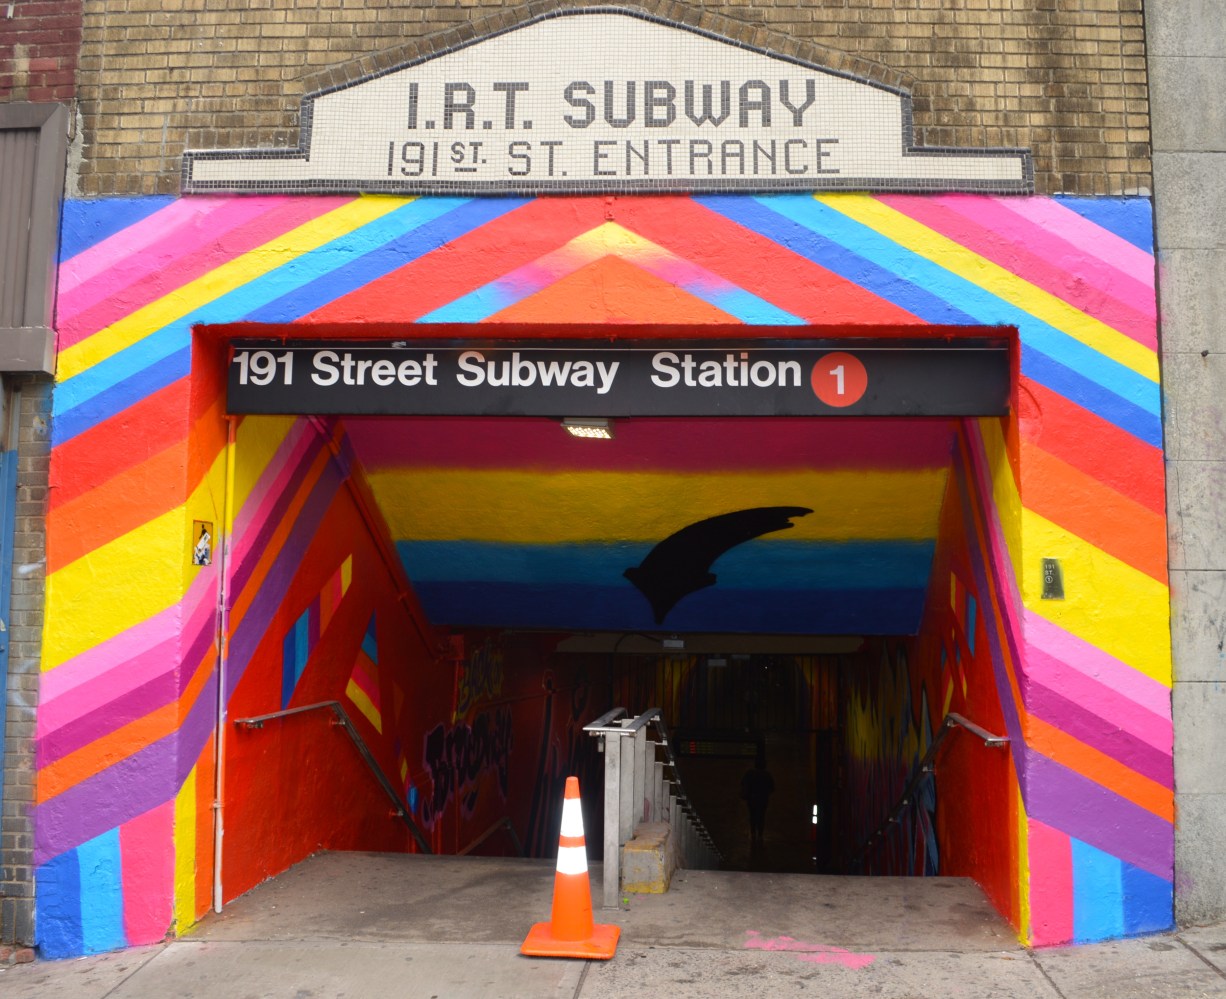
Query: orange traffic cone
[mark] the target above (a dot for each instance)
(570, 931)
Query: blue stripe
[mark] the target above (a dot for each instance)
(1149, 902)
(370, 644)
(760, 216)
(1129, 218)
(288, 660)
(57, 886)
(451, 219)
(101, 894)
(175, 337)
(87, 223)
(766, 564)
(1098, 897)
(71, 422)
(569, 607)
(1088, 394)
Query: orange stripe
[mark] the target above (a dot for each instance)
(1107, 519)
(70, 770)
(119, 505)
(571, 841)
(1100, 768)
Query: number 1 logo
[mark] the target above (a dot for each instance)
(839, 379)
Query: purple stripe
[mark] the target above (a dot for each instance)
(131, 704)
(1076, 805)
(254, 626)
(258, 545)
(979, 569)
(106, 719)
(1103, 734)
(129, 788)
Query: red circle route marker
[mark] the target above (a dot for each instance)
(839, 379)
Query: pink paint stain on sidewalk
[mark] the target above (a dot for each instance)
(810, 952)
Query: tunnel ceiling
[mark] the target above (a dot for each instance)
(673, 526)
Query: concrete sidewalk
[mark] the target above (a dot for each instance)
(366, 926)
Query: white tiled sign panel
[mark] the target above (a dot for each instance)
(606, 102)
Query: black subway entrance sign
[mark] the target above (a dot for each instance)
(960, 377)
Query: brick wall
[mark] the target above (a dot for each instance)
(25, 627)
(39, 42)
(1065, 78)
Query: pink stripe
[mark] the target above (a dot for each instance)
(196, 261)
(1002, 562)
(1051, 885)
(133, 240)
(1098, 698)
(99, 660)
(272, 485)
(119, 666)
(147, 860)
(1087, 237)
(181, 237)
(1034, 254)
(1094, 663)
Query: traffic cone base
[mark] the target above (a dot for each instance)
(600, 946)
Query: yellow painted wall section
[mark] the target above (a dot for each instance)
(534, 508)
(1005, 496)
(256, 441)
(1108, 603)
(185, 854)
(128, 580)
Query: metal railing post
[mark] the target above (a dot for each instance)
(611, 867)
(640, 775)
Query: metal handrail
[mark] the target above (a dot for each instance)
(624, 806)
(346, 723)
(503, 823)
(926, 768)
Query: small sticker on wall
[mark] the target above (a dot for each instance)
(202, 546)
(1053, 580)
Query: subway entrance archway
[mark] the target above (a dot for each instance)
(506, 570)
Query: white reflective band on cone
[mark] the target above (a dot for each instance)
(572, 818)
(572, 860)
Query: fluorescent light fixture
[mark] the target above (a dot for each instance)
(594, 428)
(673, 643)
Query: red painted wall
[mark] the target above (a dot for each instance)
(898, 692)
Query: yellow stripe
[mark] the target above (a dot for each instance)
(115, 587)
(1008, 287)
(1109, 604)
(221, 281)
(256, 443)
(128, 580)
(536, 508)
(365, 705)
(185, 855)
(1021, 884)
(1005, 497)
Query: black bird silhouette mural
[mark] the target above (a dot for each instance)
(681, 563)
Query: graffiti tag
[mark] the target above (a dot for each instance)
(456, 759)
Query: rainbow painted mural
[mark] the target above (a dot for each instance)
(132, 659)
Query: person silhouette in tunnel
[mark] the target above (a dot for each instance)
(757, 786)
